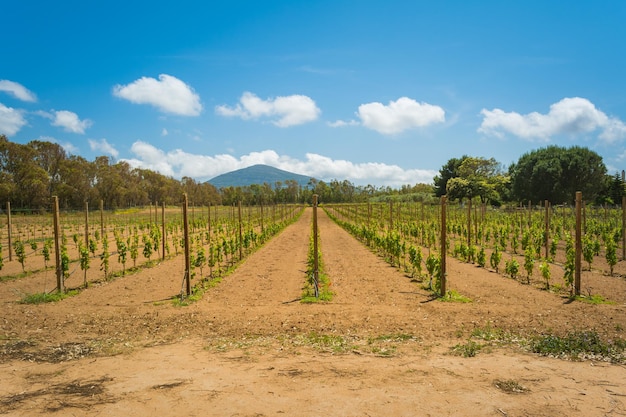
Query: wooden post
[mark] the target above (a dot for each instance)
(164, 236)
(102, 219)
(579, 203)
(86, 224)
(623, 227)
(9, 230)
(390, 215)
(240, 232)
(315, 249)
(57, 245)
(443, 245)
(547, 228)
(469, 224)
(187, 249)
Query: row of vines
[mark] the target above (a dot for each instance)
(526, 243)
(99, 245)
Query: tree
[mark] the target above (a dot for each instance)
(478, 177)
(555, 174)
(447, 172)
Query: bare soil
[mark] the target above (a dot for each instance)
(249, 347)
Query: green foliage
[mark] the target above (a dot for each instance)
(45, 251)
(83, 252)
(529, 262)
(544, 267)
(611, 254)
(104, 257)
(512, 268)
(467, 350)
(40, 298)
(481, 258)
(555, 174)
(20, 252)
(577, 345)
(589, 249)
(433, 266)
(415, 258)
(495, 259)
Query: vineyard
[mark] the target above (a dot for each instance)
(99, 246)
(251, 338)
(535, 245)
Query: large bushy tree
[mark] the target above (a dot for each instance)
(555, 174)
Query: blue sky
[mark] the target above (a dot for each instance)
(376, 92)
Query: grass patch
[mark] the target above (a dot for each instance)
(510, 386)
(467, 350)
(579, 345)
(454, 297)
(43, 297)
(593, 299)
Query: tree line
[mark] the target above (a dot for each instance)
(552, 173)
(31, 174)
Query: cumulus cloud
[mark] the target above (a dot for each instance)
(103, 146)
(69, 121)
(343, 123)
(67, 146)
(284, 111)
(11, 120)
(570, 116)
(178, 163)
(400, 115)
(168, 94)
(17, 90)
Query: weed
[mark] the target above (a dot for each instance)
(467, 350)
(40, 298)
(455, 297)
(578, 345)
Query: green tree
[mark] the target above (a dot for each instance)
(447, 172)
(478, 177)
(555, 174)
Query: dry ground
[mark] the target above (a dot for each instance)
(250, 348)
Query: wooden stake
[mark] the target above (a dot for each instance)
(315, 249)
(443, 245)
(57, 244)
(579, 204)
(187, 249)
(9, 230)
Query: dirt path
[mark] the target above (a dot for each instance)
(249, 348)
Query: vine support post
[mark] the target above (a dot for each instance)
(579, 203)
(469, 222)
(86, 224)
(315, 249)
(163, 237)
(623, 227)
(102, 219)
(57, 246)
(9, 227)
(186, 238)
(444, 239)
(240, 232)
(547, 228)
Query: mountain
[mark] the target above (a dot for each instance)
(257, 174)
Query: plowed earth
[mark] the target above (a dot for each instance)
(382, 346)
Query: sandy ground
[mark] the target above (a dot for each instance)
(250, 348)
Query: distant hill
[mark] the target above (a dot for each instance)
(257, 174)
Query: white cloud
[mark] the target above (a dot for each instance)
(400, 115)
(285, 111)
(67, 146)
(343, 123)
(168, 94)
(11, 120)
(103, 146)
(178, 163)
(17, 90)
(69, 121)
(164, 132)
(572, 116)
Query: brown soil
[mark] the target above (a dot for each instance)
(250, 348)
